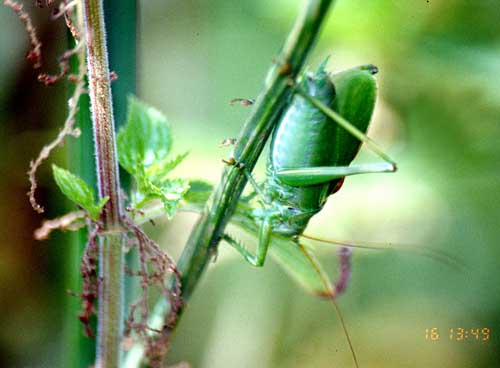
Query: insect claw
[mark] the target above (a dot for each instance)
(214, 253)
(243, 101)
(230, 162)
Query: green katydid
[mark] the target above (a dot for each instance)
(310, 153)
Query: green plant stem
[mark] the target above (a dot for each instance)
(110, 314)
(266, 111)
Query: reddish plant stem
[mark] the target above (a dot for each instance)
(111, 270)
(102, 112)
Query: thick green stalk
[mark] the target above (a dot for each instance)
(110, 314)
(266, 111)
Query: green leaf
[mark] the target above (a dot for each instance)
(170, 192)
(78, 191)
(146, 138)
(143, 147)
(158, 171)
(99, 206)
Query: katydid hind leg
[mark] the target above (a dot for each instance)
(323, 174)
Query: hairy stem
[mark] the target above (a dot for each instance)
(102, 112)
(267, 109)
(110, 314)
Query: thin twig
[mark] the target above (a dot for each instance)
(155, 268)
(35, 54)
(49, 79)
(66, 130)
(69, 222)
(90, 286)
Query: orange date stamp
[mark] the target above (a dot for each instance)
(459, 334)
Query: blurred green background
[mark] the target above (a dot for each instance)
(438, 114)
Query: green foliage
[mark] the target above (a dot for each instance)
(78, 191)
(146, 138)
(144, 144)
